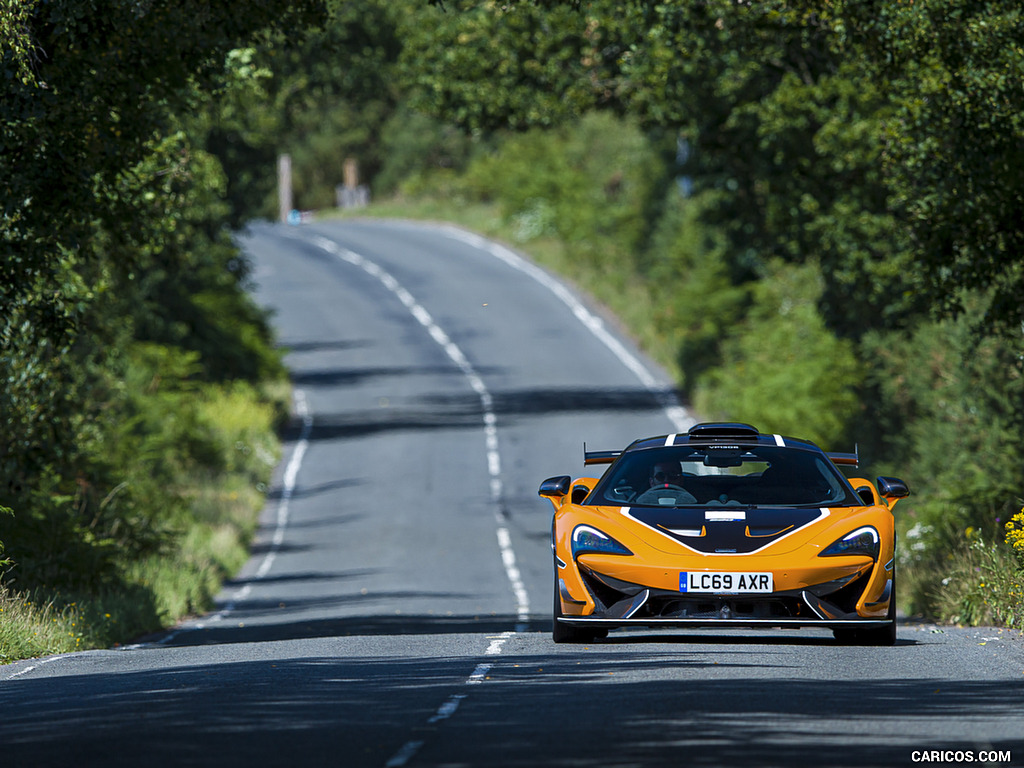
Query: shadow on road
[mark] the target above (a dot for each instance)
(464, 411)
(588, 708)
(251, 627)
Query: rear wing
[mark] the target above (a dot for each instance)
(846, 459)
(607, 457)
(599, 457)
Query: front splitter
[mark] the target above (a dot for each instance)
(586, 621)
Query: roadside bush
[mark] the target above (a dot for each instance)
(159, 544)
(1015, 536)
(947, 418)
(978, 582)
(781, 369)
(38, 623)
(415, 145)
(593, 182)
(697, 302)
(4, 562)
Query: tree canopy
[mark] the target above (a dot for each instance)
(99, 83)
(883, 138)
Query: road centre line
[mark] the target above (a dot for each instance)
(404, 755)
(455, 354)
(493, 451)
(678, 415)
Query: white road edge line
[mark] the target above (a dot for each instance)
(288, 482)
(675, 412)
(41, 662)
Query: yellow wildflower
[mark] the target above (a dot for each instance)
(1015, 532)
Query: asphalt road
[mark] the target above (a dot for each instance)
(396, 610)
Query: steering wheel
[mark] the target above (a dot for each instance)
(654, 495)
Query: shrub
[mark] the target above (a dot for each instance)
(781, 367)
(592, 182)
(1015, 535)
(978, 582)
(697, 302)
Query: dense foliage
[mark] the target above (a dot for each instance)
(127, 341)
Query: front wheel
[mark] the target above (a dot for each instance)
(565, 633)
(880, 636)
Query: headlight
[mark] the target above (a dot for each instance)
(586, 539)
(863, 541)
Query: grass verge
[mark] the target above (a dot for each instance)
(210, 544)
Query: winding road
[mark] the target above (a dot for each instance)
(396, 609)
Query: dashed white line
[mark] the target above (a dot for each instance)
(490, 420)
(493, 456)
(447, 709)
(479, 674)
(497, 643)
(678, 415)
(404, 755)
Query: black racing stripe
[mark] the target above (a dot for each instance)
(758, 529)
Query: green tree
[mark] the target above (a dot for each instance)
(595, 177)
(955, 142)
(19, 55)
(321, 98)
(488, 66)
(117, 268)
(693, 280)
(879, 139)
(107, 77)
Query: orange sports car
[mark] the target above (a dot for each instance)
(724, 526)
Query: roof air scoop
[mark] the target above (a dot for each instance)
(723, 429)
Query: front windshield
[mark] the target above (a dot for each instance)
(723, 476)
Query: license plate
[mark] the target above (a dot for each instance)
(718, 581)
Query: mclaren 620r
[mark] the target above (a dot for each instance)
(724, 526)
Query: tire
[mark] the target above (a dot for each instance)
(879, 636)
(565, 633)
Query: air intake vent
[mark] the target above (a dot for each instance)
(723, 429)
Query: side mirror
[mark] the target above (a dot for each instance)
(892, 488)
(555, 487)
